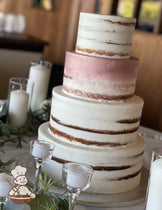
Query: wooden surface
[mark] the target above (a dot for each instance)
(148, 48)
(22, 42)
(57, 27)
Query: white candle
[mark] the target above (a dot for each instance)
(2, 16)
(4, 185)
(76, 177)
(18, 107)
(154, 199)
(40, 150)
(20, 23)
(10, 23)
(40, 75)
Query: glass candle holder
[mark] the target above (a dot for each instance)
(153, 198)
(19, 99)
(41, 151)
(76, 177)
(4, 189)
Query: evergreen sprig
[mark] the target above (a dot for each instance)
(48, 200)
(16, 135)
(3, 166)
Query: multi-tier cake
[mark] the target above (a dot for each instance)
(95, 114)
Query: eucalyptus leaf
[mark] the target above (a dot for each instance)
(42, 202)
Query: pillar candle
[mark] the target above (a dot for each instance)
(18, 107)
(40, 150)
(154, 199)
(40, 75)
(10, 23)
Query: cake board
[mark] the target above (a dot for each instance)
(129, 198)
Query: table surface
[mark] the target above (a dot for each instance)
(152, 138)
(21, 42)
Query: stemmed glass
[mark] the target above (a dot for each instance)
(41, 151)
(4, 189)
(76, 177)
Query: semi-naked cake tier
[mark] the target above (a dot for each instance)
(99, 78)
(92, 122)
(95, 115)
(116, 169)
(105, 36)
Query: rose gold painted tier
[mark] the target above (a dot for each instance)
(99, 78)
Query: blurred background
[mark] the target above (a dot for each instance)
(44, 29)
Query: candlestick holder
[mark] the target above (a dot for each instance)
(153, 195)
(4, 189)
(41, 151)
(76, 177)
(19, 98)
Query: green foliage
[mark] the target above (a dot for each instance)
(35, 119)
(42, 202)
(45, 183)
(148, 12)
(5, 129)
(3, 166)
(16, 135)
(48, 200)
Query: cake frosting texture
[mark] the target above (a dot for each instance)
(105, 36)
(95, 114)
(106, 118)
(120, 166)
(99, 78)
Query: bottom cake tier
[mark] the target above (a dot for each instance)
(116, 169)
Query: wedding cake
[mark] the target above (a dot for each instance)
(95, 115)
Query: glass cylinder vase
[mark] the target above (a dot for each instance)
(154, 198)
(19, 100)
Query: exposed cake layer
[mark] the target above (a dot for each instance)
(113, 167)
(87, 138)
(93, 116)
(99, 78)
(104, 35)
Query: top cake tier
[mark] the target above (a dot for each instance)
(104, 35)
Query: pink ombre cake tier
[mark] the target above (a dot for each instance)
(99, 78)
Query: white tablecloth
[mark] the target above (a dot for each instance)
(152, 138)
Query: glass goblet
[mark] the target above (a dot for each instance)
(76, 177)
(41, 151)
(4, 189)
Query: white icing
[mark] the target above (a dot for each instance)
(105, 156)
(95, 32)
(95, 115)
(101, 180)
(91, 136)
(101, 87)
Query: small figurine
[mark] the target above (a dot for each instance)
(21, 193)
